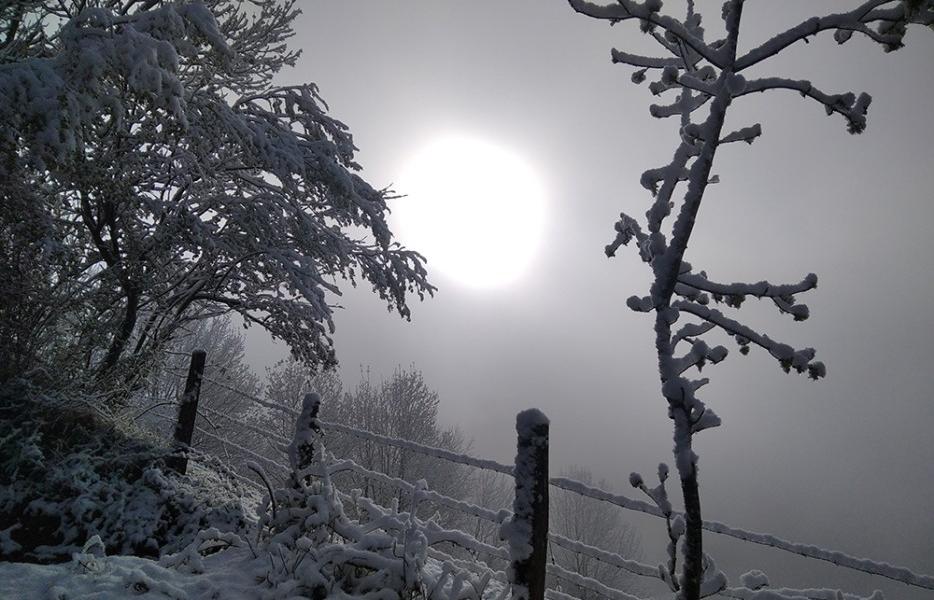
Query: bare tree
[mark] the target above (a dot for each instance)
(594, 523)
(494, 491)
(403, 407)
(707, 77)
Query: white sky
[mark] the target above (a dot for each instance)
(846, 462)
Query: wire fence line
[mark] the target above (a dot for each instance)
(882, 569)
(589, 583)
(392, 519)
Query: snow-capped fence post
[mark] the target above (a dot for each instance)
(307, 428)
(187, 411)
(527, 531)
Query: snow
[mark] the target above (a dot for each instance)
(126, 577)
(305, 543)
(307, 433)
(312, 531)
(754, 579)
(529, 423)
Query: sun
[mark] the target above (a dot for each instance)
(473, 208)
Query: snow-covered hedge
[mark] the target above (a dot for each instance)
(67, 474)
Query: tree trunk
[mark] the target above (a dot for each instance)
(122, 335)
(693, 570)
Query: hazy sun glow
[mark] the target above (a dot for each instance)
(473, 208)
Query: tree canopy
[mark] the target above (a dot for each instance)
(152, 173)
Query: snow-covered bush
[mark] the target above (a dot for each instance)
(320, 549)
(307, 545)
(74, 487)
(67, 474)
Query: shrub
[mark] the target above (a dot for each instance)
(67, 474)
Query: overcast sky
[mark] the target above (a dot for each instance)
(847, 462)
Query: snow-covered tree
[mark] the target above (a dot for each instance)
(706, 76)
(403, 407)
(152, 172)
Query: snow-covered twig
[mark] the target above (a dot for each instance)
(802, 361)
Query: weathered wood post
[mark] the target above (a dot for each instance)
(302, 448)
(187, 411)
(528, 531)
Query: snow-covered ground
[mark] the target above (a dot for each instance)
(234, 574)
(118, 577)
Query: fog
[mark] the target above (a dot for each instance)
(845, 462)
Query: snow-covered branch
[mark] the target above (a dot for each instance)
(746, 134)
(689, 331)
(628, 228)
(644, 62)
(698, 356)
(890, 27)
(696, 286)
(647, 13)
(852, 107)
(661, 111)
(802, 361)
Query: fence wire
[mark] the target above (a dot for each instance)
(841, 559)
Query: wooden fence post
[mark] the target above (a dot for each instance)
(528, 533)
(302, 448)
(187, 411)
